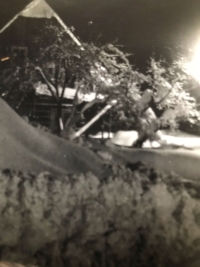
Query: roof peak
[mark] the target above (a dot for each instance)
(40, 9)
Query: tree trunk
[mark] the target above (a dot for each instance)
(135, 218)
(145, 136)
(60, 123)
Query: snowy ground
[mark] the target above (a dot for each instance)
(179, 155)
(168, 139)
(24, 148)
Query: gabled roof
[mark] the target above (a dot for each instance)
(40, 9)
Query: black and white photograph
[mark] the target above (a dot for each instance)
(99, 133)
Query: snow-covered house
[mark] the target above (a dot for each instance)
(24, 35)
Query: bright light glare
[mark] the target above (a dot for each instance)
(193, 67)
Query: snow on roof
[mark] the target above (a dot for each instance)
(42, 89)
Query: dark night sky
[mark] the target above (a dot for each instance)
(141, 25)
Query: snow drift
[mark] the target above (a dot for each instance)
(25, 148)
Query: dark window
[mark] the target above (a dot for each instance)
(19, 54)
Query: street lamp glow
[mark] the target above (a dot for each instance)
(193, 67)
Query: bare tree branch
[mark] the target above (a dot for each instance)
(164, 97)
(57, 75)
(73, 109)
(51, 87)
(167, 94)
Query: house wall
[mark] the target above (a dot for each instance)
(41, 110)
(32, 33)
(25, 37)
